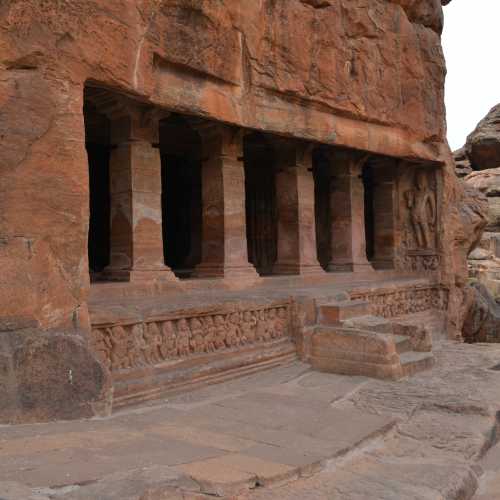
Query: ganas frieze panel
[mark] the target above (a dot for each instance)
(123, 347)
(393, 303)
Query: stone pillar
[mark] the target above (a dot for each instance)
(135, 185)
(224, 239)
(347, 205)
(297, 252)
(384, 203)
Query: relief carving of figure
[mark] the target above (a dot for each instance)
(197, 342)
(119, 349)
(137, 351)
(281, 323)
(233, 337)
(153, 342)
(101, 345)
(220, 332)
(210, 333)
(262, 326)
(168, 348)
(248, 327)
(422, 206)
(271, 314)
(183, 337)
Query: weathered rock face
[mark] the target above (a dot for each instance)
(477, 164)
(482, 320)
(488, 182)
(483, 144)
(484, 262)
(462, 162)
(466, 219)
(425, 12)
(362, 74)
(44, 376)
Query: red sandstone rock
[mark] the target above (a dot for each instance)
(366, 75)
(483, 144)
(462, 162)
(52, 375)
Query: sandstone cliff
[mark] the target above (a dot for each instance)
(363, 74)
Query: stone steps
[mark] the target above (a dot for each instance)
(415, 362)
(403, 344)
(370, 323)
(349, 340)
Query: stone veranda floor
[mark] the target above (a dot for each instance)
(287, 433)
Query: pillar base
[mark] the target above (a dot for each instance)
(209, 270)
(140, 275)
(350, 267)
(283, 268)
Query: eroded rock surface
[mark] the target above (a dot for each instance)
(462, 162)
(483, 144)
(50, 376)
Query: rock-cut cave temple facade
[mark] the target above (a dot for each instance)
(194, 189)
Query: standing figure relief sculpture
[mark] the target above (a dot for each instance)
(421, 203)
(142, 344)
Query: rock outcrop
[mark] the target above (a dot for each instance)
(478, 164)
(482, 320)
(483, 144)
(462, 162)
(482, 149)
(484, 261)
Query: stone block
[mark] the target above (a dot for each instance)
(355, 352)
(340, 311)
(218, 477)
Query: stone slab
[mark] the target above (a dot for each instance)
(218, 479)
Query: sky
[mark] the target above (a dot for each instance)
(471, 43)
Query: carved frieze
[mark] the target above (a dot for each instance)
(122, 347)
(393, 303)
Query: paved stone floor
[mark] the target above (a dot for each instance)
(288, 433)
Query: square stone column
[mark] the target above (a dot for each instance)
(297, 252)
(347, 205)
(135, 188)
(224, 238)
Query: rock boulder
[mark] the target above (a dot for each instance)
(483, 144)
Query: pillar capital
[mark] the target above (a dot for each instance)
(220, 140)
(293, 153)
(346, 162)
(132, 121)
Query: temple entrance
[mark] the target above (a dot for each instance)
(260, 193)
(180, 149)
(322, 188)
(97, 144)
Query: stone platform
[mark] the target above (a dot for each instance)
(286, 433)
(160, 339)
